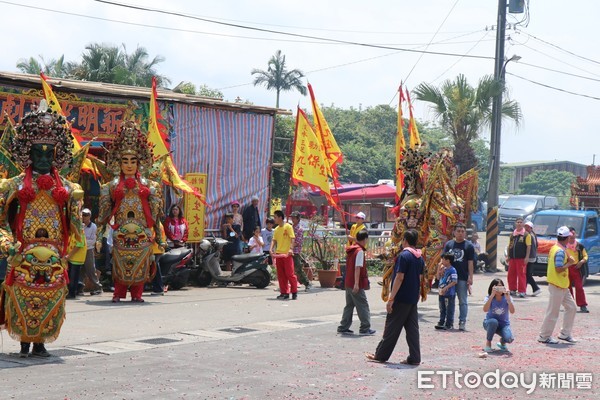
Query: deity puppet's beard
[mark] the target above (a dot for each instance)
(412, 222)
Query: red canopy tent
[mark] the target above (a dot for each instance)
(374, 192)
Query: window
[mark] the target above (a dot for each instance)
(592, 227)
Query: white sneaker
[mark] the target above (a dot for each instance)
(536, 293)
(567, 339)
(548, 340)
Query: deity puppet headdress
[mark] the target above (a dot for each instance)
(130, 140)
(42, 126)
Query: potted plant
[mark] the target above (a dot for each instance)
(322, 252)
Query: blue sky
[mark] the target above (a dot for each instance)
(556, 125)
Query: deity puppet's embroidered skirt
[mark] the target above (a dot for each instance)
(33, 300)
(132, 254)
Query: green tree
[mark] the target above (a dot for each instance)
(463, 111)
(113, 64)
(284, 136)
(206, 91)
(57, 68)
(202, 90)
(549, 183)
(278, 78)
(185, 88)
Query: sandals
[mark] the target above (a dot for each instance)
(488, 349)
(502, 347)
(371, 358)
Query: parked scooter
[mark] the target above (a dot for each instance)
(174, 267)
(247, 268)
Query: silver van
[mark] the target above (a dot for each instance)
(524, 206)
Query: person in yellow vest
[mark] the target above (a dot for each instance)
(358, 226)
(559, 262)
(77, 255)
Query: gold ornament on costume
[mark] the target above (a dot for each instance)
(130, 140)
(46, 127)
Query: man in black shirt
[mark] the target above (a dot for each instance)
(463, 262)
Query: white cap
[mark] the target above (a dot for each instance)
(361, 215)
(86, 211)
(529, 224)
(563, 232)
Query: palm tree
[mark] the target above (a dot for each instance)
(278, 77)
(112, 64)
(55, 67)
(463, 111)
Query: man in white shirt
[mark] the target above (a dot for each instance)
(89, 267)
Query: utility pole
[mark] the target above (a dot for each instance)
(491, 237)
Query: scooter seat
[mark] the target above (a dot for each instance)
(246, 258)
(174, 255)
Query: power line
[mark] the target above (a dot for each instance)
(433, 37)
(204, 32)
(358, 61)
(460, 59)
(559, 72)
(557, 59)
(178, 14)
(554, 88)
(560, 48)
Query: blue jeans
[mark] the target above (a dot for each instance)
(462, 291)
(447, 310)
(157, 282)
(492, 327)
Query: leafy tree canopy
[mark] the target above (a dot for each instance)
(549, 183)
(202, 90)
(464, 110)
(367, 139)
(102, 63)
(277, 77)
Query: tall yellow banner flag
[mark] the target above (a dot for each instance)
(155, 133)
(413, 132)
(332, 150)
(55, 106)
(309, 164)
(400, 145)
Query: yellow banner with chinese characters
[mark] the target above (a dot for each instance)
(309, 166)
(195, 209)
(324, 134)
(400, 145)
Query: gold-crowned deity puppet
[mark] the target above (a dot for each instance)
(132, 205)
(39, 214)
(429, 205)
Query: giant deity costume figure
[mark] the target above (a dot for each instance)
(39, 214)
(428, 204)
(132, 205)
